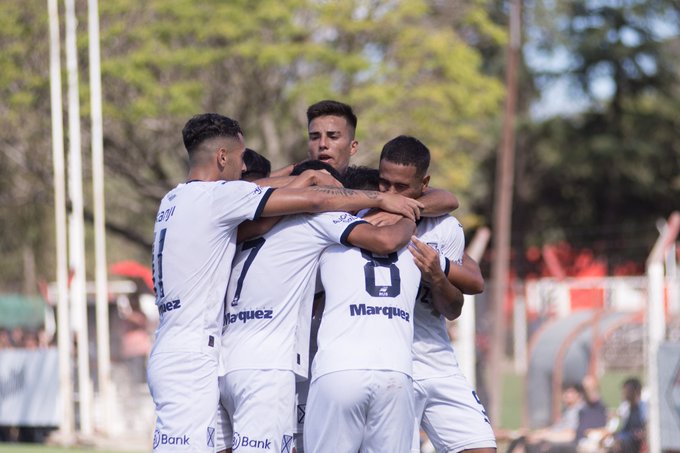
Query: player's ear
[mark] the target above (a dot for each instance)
(354, 147)
(426, 181)
(221, 157)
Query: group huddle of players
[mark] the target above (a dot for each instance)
(306, 311)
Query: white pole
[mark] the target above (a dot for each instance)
(519, 325)
(656, 329)
(656, 326)
(66, 427)
(464, 345)
(103, 347)
(77, 225)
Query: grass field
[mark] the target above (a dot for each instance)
(33, 448)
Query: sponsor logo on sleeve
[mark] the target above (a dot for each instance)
(344, 218)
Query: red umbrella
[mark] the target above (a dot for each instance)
(133, 269)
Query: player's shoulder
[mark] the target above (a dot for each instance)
(442, 221)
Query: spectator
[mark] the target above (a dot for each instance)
(5, 341)
(561, 435)
(592, 417)
(628, 431)
(16, 337)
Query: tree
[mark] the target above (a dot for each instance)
(602, 177)
(406, 67)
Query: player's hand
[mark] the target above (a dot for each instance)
(427, 260)
(400, 204)
(314, 178)
(378, 217)
(323, 178)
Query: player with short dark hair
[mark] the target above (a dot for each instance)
(446, 405)
(194, 243)
(269, 301)
(257, 166)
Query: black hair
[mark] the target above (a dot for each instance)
(407, 150)
(634, 384)
(362, 178)
(577, 386)
(257, 166)
(315, 165)
(205, 126)
(332, 108)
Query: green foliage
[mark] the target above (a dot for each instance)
(601, 179)
(405, 66)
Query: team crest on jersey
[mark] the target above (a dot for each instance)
(257, 190)
(436, 246)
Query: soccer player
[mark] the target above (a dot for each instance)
(257, 166)
(446, 405)
(269, 300)
(331, 129)
(194, 243)
(361, 397)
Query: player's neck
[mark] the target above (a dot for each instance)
(202, 174)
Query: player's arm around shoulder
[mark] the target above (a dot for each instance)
(324, 198)
(437, 202)
(382, 240)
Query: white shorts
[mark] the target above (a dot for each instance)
(224, 431)
(259, 403)
(451, 415)
(301, 393)
(184, 389)
(359, 410)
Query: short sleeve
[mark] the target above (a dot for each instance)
(236, 201)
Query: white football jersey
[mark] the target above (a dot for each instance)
(194, 243)
(271, 290)
(367, 320)
(433, 354)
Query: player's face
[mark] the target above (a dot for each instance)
(331, 140)
(401, 179)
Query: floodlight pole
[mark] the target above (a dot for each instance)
(66, 427)
(102, 299)
(77, 225)
(502, 219)
(656, 325)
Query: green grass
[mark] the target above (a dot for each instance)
(513, 395)
(35, 448)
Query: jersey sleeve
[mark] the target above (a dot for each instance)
(454, 243)
(236, 201)
(336, 226)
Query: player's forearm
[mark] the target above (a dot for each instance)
(446, 298)
(391, 238)
(253, 228)
(437, 202)
(468, 277)
(275, 181)
(322, 198)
